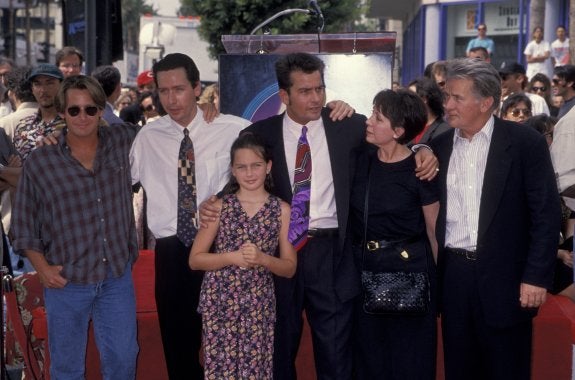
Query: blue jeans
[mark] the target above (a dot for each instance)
(111, 304)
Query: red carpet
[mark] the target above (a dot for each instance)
(553, 333)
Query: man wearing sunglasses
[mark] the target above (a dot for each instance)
(481, 40)
(74, 221)
(45, 80)
(564, 85)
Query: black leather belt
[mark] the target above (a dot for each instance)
(373, 245)
(469, 255)
(323, 232)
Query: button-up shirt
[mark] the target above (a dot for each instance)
(154, 161)
(322, 209)
(31, 129)
(78, 218)
(464, 187)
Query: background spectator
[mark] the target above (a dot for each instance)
(432, 97)
(537, 54)
(560, 48)
(516, 107)
(481, 40)
(211, 94)
(69, 60)
(564, 86)
(540, 85)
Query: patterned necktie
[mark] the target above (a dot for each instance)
(299, 217)
(187, 223)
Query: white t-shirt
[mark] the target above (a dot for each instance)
(560, 51)
(535, 49)
(538, 104)
(154, 163)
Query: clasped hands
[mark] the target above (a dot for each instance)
(249, 256)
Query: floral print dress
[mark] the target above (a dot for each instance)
(238, 304)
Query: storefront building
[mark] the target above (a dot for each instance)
(441, 29)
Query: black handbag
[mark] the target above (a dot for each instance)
(393, 289)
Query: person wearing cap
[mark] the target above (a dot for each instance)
(538, 55)
(69, 60)
(45, 80)
(145, 81)
(481, 40)
(513, 81)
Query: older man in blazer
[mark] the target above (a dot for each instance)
(497, 229)
(326, 280)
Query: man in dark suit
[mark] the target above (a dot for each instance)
(326, 280)
(497, 229)
(110, 79)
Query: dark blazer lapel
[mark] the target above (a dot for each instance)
(280, 171)
(339, 160)
(496, 173)
(443, 152)
(336, 157)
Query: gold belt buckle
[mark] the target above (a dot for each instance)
(372, 245)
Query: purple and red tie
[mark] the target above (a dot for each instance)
(299, 217)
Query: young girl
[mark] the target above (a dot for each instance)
(237, 299)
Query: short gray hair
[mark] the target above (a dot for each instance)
(485, 78)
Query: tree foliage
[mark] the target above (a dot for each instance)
(220, 17)
(131, 12)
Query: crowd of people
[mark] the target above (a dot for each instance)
(454, 178)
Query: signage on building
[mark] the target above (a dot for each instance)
(501, 19)
(12, 4)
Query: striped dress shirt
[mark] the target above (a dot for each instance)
(464, 187)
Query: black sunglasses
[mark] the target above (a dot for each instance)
(149, 107)
(535, 88)
(75, 110)
(516, 111)
(556, 81)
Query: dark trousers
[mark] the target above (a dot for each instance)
(312, 289)
(177, 295)
(472, 348)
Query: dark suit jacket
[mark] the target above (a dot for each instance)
(342, 137)
(110, 116)
(438, 127)
(519, 219)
